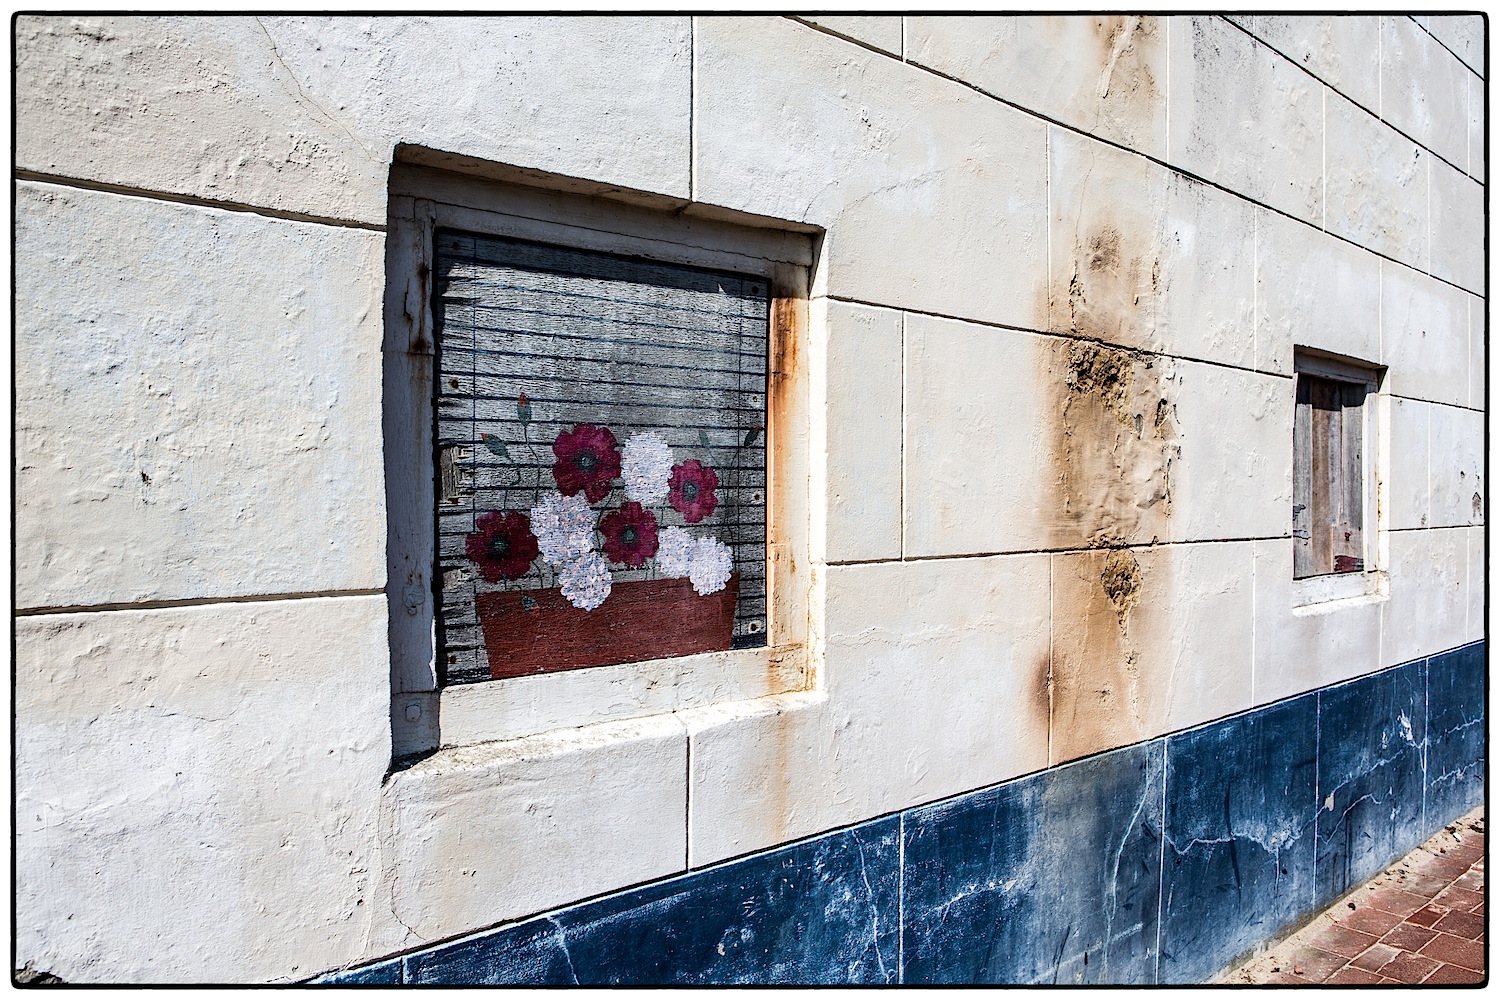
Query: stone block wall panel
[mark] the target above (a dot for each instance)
(279, 116)
(866, 148)
(1240, 837)
(1376, 185)
(1244, 117)
(1429, 593)
(1298, 649)
(1461, 34)
(1112, 85)
(594, 808)
(213, 818)
(1456, 467)
(1457, 228)
(1424, 327)
(1052, 879)
(863, 414)
(191, 423)
(1423, 89)
(1343, 52)
(1455, 732)
(1313, 290)
(1133, 633)
(1407, 484)
(1370, 776)
(1146, 258)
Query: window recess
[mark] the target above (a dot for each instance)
(1333, 472)
(526, 316)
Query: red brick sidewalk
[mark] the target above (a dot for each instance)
(1419, 921)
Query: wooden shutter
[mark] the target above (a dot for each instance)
(537, 341)
(1328, 483)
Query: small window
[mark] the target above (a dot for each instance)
(1331, 481)
(601, 460)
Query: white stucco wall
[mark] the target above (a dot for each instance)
(203, 672)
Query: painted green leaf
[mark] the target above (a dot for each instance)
(703, 438)
(750, 437)
(528, 602)
(495, 445)
(523, 409)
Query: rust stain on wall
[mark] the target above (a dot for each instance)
(1111, 683)
(1121, 579)
(1127, 45)
(1112, 288)
(1112, 444)
(1039, 702)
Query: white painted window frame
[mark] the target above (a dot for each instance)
(1318, 594)
(494, 200)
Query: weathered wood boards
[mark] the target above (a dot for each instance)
(1328, 477)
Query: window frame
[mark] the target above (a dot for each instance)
(426, 717)
(1322, 589)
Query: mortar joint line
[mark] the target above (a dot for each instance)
(192, 602)
(197, 201)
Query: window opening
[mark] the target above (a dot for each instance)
(600, 458)
(1329, 481)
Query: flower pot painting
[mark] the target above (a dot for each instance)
(601, 492)
(549, 632)
(685, 606)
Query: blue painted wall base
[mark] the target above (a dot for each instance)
(1162, 862)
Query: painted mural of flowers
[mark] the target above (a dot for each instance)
(564, 528)
(645, 465)
(502, 545)
(690, 490)
(674, 552)
(710, 566)
(586, 581)
(629, 534)
(588, 461)
(566, 531)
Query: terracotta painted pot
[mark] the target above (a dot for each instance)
(640, 620)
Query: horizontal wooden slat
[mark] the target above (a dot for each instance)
(505, 363)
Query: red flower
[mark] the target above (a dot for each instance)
(588, 459)
(691, 490)
(629, 534)
(503, 545)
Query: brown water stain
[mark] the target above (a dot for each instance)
(1111, 679)
(1112, 287)
(1121, 578)
(1127, 47)
(1112, 444)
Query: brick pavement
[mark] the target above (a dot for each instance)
(1419, 921)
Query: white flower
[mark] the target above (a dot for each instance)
(586, 582)
(564, 527)
(710, 566)
(646, 465)
(674, 551)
